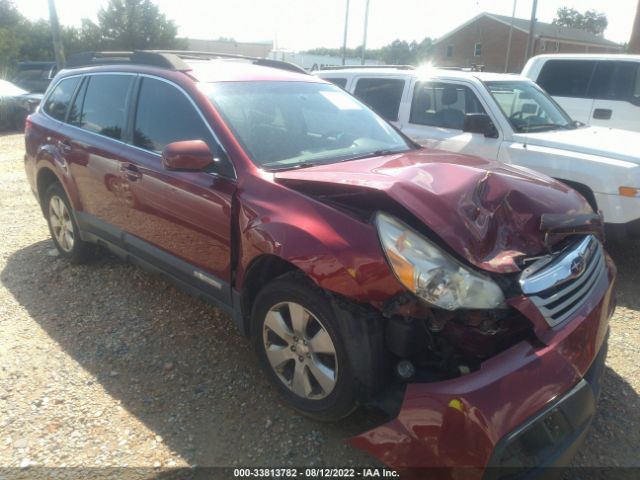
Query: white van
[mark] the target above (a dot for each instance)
(601, 90)
(510, 119)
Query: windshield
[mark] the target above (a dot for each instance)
(528, 108)
(283, 125)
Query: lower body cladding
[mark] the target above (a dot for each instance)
(524, 409)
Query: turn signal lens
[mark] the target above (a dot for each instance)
(628, 191)
(404, 270)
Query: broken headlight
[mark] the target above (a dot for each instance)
(432, 274)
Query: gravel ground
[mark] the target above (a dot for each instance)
(105, 365)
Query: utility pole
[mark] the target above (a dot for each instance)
(531, 41)
(513, 15)
(344, 40)
(634, 42)
(55, 35)
(366, 24)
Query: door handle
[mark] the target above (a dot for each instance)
(64, 146)
(130, 171)
(602, 113)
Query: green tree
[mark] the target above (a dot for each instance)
(11, 35)
(591, 20)
(398, 52)
(132, 25)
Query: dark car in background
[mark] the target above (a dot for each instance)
(467, 299)
(15, 105)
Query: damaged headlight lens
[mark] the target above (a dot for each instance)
(432, 274)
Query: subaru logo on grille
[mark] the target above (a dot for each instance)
(577, 266)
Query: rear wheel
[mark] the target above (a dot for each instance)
(300, 347)
(63, 228)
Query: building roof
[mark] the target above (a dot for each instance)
(542, 29)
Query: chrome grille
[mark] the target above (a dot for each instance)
(558, 284)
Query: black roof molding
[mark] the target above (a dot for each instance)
(168, 59)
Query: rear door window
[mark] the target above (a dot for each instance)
(104, 106)
(444, 105)
(58, 101)
(566, 78)
(615, 81)
(383, 95)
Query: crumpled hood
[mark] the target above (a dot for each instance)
(487, 212)
(603, 142)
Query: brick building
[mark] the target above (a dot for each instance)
(483, 40)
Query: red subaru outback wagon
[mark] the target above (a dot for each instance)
(469, 300)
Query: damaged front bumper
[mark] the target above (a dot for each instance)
(525, 408)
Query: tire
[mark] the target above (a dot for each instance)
(325, 394)
(63, 227)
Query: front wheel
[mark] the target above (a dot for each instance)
(299, 345)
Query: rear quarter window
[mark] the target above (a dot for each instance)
(382, 95)
(58, 101)
(566, 78)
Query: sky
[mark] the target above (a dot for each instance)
(304, 24)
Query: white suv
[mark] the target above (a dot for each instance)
(510, 119)
(599, 90)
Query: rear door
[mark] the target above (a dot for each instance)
(94, 133)
(436, 119)
(382, 94)
(181, 221)
(567, 81)
(615, 88)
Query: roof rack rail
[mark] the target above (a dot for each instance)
(346, 67)
(169, 59)
(265, 62)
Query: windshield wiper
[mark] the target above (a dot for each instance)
(296, 166)
(272, 167)
(550, 126)
(377, 153)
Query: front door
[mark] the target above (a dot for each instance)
(180, 220)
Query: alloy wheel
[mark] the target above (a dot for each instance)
(61, 224)
(300, 350)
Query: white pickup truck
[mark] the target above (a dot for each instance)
(510, 119)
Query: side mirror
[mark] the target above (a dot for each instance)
(189, 155)
(479, 123)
